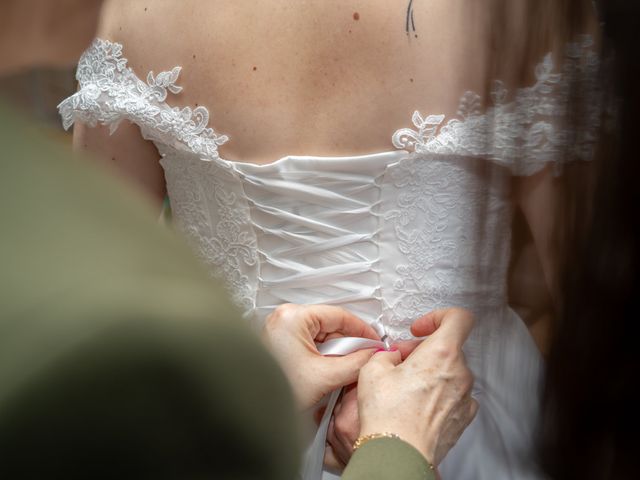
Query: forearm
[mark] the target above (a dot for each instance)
(127, 154)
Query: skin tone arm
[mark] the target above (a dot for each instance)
(127, 153)
(536, 196)
(41, 32)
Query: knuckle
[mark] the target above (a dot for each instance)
(280, 314)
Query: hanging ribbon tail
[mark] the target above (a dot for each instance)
(314, 456)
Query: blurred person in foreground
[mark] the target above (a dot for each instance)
(119, 359)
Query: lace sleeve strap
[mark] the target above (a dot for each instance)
(110, 92)
(554, 121)
(550, 122)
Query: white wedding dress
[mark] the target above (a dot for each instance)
(389, 236)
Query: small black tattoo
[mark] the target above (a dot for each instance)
(410, 24)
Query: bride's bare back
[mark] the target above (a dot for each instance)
(316, 77)
(290, 77)
(306, 77)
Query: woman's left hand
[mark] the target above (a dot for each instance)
(291, 333)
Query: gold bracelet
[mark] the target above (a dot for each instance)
(372, 436)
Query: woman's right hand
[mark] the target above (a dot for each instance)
(425, 400)
(291, 333)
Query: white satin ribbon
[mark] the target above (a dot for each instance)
(314, 456)
(338, 347)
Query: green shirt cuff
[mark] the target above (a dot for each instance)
(386, 458)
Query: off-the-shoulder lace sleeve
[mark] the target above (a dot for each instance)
(110, 92)
(526, 129)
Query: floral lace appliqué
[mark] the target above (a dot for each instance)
(110, 92)
(213, 218)
(441, 206)
(526, 132)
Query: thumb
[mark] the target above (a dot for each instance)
(452, 323)
(344, 371)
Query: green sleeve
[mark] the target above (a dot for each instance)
(387, 458)
(119, 358)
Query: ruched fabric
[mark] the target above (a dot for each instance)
(317, 224)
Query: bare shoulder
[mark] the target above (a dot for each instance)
(150, 30)
(130, 22)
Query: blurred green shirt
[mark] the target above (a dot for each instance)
(119, 358)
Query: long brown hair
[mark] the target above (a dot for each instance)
(590, 417)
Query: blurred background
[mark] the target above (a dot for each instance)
(39, 92)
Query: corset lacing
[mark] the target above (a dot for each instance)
(321, 256)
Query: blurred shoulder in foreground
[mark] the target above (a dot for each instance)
(115, 349)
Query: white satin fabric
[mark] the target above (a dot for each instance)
(389, 236)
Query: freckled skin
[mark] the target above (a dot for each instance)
(318, 62)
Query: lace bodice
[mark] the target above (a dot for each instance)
(389, 235)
